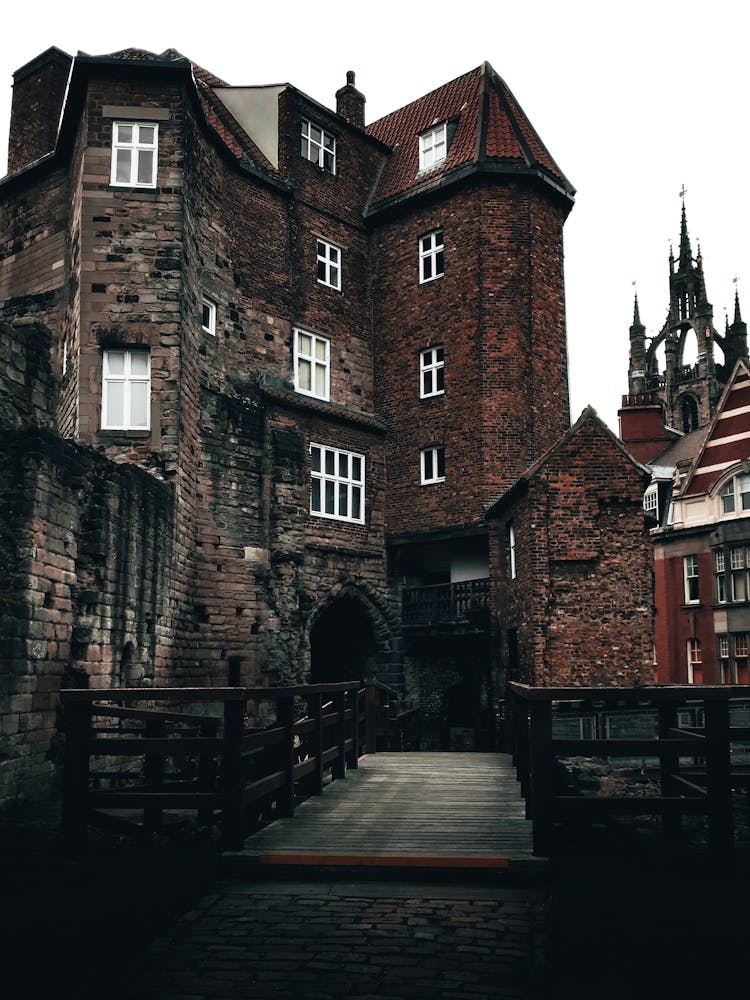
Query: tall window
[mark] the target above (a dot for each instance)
(694, 661)
(720, 582)
(732, 654)
(318, 146)
(512, 551)
(134, 154)
(736, 494)
(739, 567)
(337, 484)
(329, 265)
(208, 316)
(433, 146)
(432, 465)
(651, 500)
(431, 372)
(690, 570)
(431, 256)
(126, 390)
(311, 364)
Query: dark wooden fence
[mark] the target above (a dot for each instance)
(696, 774)
(128, 750)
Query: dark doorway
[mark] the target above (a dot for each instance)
(342, 643)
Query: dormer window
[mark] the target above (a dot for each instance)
(735, 496)
(433, 147)
(318, 146)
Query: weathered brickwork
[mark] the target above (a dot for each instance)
(580, 608)
(194, 543)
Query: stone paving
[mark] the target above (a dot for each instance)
(358, 940)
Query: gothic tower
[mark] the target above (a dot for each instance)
(683, 396)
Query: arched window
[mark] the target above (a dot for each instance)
(689, 414)
(735, 496)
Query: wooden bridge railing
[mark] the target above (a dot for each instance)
(221, 763)
(696, 774)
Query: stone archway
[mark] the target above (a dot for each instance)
(343, 644)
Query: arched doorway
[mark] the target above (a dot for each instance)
(342, 643)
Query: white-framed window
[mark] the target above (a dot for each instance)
(337, 484)
(739, 574)
(512, 550)
(694, 661)
(431, 372)
(651, 500)
(208, 316)
(433, 146)
(690, 570)
(432, 465)
(126, 389)
(329, 264)
(318, 146)
(720, 581)
(311, 364)
(735, 496)
(431, 256)
(134, 149)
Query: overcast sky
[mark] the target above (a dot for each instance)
(633, 101)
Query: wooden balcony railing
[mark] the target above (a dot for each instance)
(447, 603)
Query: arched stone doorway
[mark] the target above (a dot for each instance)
(342, 643)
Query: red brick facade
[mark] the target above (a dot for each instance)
(162, 549)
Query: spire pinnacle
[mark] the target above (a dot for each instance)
(737, 314)
(636, 311)
(686, 254)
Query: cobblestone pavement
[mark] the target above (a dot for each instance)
(361, 941)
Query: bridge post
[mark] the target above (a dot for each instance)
(371, 718)
(353, 760)
(718, 775)
(153, 775)
(231, 773)
(285, 718)
(317, 713)
(339, 762)
(542, 774)
(76, 773)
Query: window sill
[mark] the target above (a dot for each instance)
(111, 432)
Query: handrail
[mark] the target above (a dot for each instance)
(229, 772)
(707, 791)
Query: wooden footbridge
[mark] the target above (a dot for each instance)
(325, 775)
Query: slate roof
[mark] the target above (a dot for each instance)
(491, 130)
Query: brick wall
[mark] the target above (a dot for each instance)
(582, 601)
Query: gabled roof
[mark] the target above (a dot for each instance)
(589, 415)
(727, 439)
(491, 132)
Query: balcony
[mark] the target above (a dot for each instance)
(465, 603)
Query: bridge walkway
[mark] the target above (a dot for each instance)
(410, 810)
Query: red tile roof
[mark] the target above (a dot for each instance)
(491, 128)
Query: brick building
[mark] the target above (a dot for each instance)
(691, 424)
(265, 368)
(572, 565)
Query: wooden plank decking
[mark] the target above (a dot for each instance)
(445, 810)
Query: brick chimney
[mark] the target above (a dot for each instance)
(38, 95)
(350, 104)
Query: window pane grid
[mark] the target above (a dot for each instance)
(431, 249)
(134, 155)
(432, 147)
(432, 465)
(337, 484)
(329, 264)
(318, 146)
(432, 370)
(311, 364)
(126, 390)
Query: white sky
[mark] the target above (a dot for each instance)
(632, 100)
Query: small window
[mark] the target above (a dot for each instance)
(318, 146)
(134, 147)
(311, 364)
(329, 265)
(337, 484)
(651, 501)
(433, 146)
(735, 496)
(431, 257)
(431, 372)
(126, 390)
(512, 551)
(690, 567)
(720, 582)
(694, 661)
(208, 322)
(432, 465)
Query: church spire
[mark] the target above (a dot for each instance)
(636, 312)
(686, 254)
(737, 314)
